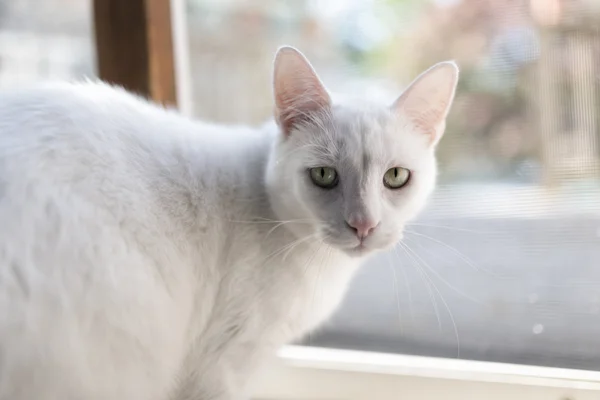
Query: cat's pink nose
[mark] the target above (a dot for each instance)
(362, 227)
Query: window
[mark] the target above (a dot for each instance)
(500, 277)
(504, 264)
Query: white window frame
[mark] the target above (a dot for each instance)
(309, 373)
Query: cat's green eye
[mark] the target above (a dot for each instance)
(396, 177)
(325, 177)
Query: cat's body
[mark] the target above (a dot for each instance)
(146, 256)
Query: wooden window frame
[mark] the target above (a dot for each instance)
(134, 44)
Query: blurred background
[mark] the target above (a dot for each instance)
(505, 263)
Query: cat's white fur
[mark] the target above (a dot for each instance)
(147, 256)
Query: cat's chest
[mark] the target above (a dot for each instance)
(292, 292)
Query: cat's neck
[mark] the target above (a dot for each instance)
(233, 188)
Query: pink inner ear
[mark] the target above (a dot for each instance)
(427, 100)
(295, 110)
(423, 124)
(427, 119)
(299, 93)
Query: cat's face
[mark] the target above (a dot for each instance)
(351, 176)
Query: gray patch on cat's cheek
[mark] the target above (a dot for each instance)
(325, 203)
(17, 271)
(366, 161)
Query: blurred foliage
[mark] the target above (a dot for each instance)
(492, 130)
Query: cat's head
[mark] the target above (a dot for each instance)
(352, 175)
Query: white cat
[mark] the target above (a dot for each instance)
(147, 256)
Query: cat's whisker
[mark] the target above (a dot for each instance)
(287, 246)
(453, 228)
(463, 257)
(315, 284)
(279, 225)
(274, 228)
(306, 266)
(443, 280)
(310, 259)
(427, 284)
(467, 260)
(444, 302)
(313, 237)
(299, 220)
(261, 220)
(396, 293)
(406, 283)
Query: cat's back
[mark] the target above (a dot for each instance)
(82, 172)
(58, 115)
(83, 99)
(94, 128)
(90, 165)
(66, 148)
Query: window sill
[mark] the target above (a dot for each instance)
(306, 373)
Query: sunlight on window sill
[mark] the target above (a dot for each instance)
(308, 373)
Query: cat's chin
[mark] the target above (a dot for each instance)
(359, 251)
(362, 249)
(366, 249)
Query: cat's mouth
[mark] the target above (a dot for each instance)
(354, 247)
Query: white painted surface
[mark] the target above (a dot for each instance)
(303, 373)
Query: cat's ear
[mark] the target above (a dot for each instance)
(427, 100)
(297, 88)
